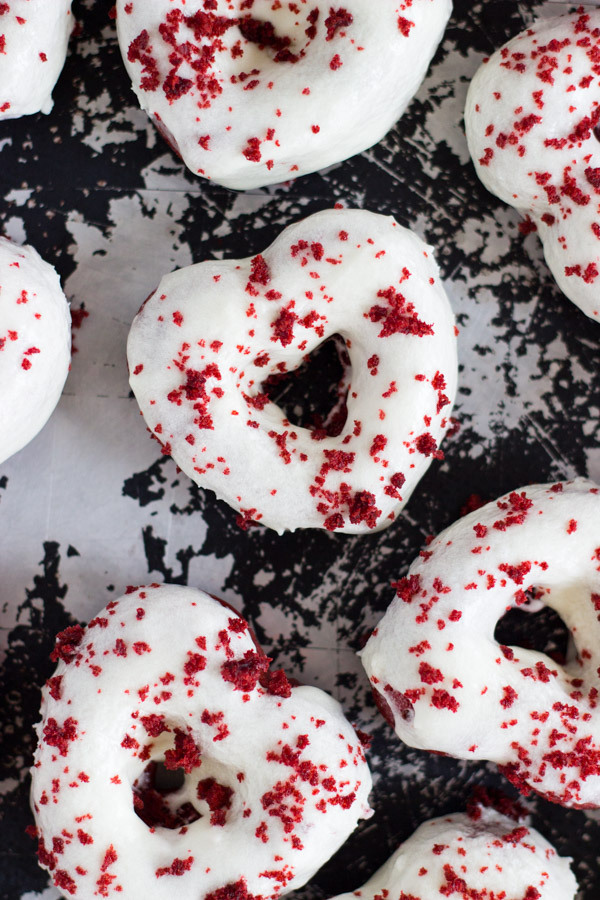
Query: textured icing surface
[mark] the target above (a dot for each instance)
(211, 336)
(253, 94)
(92, 505)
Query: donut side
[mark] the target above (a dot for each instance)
(203, 346)
(270, 778)
(483, 856)
(35, 344)
(256, 95)
(445, 683)
(531, 120)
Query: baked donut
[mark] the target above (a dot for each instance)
(270, 779)
(33, 46)
(202, 347)
(482, 856)
(446, 684)
(532, 117)
(35, 344)
(254, 93)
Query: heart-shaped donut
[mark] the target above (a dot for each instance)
(33, 45)
(203, 345)
(532, 119)
(168, 684)
(254, 93)
(35, 344)
(446, 684)
(480, 856)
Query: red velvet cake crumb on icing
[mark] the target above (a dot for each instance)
(203, 345)
(35, 344)
(444, 682)
(481, 856)
(169, 759)
(33, 46)
(532, 119)
(254, 93)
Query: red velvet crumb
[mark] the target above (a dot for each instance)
(245, 673)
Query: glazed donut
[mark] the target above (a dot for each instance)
(445, 683)
(274, 778)
(483, 857)
(35, 344)
(250, 94)
(532, 117)
(33, 46)
(202, 347)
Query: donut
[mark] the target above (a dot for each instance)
(202, 347)
(168, 683)
(35, 344)
(255, 93)
(33, 46)
(482, 856)
(531, 118)
(447, 685)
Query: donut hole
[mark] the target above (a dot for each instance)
(168, 780)
(314, 395)
(156, 800)
(172, 796)
(541, 630)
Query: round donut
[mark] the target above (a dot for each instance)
(35, 344)
(33, 46)
(203, 345)
(271, 779)
(532, 117)
(250, 94)
(483, 855)
(446, 684)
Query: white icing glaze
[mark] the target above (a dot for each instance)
(35, 344)
(276, 773)
(33, 45)
(204, 343)
(327, 81)
(460, 856)
(449, 686)
(530, 116)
